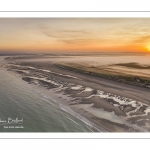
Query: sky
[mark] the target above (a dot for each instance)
(75, 34)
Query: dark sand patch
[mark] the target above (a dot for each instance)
(71, 91)
(128, 108)
(85, 93)
(140, 111)
(134, 65)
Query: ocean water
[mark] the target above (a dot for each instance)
(40, 114)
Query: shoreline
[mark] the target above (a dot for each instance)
(61, 103)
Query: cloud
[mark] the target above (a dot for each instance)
(75, 31)
(142, 39)
(65, 33)
(74, 40)
(68, 36)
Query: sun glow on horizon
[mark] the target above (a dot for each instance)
(148, 48)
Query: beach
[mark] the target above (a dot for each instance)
(92, 90)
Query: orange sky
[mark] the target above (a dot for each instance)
(69, 35)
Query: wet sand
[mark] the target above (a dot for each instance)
(115, 106)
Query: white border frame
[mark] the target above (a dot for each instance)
(70, 14)
(73, 14)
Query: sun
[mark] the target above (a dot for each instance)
(148, 48)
